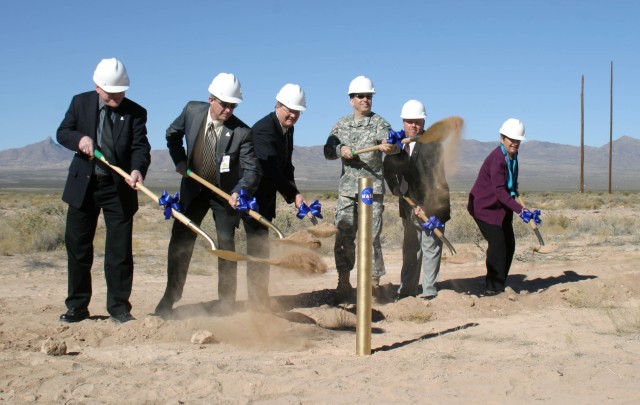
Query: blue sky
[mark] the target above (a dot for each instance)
(483, 60)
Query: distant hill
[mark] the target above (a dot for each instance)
(543, 166)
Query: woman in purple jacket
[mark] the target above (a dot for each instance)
(492, 202)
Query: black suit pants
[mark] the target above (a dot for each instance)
(257, 273)
(118, 259)
(502, 246)
(183, 240)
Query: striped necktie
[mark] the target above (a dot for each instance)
(209, 153)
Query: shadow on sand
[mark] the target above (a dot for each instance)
(518, 282)
(423, 337)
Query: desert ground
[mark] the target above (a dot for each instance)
(567, 330)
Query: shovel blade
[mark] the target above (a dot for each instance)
(229, 255)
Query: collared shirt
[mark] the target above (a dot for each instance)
(217, 124)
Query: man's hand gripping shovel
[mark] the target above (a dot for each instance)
(255, 215)
(450, 127)
(224, 254)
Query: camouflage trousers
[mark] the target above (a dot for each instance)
(347, 223)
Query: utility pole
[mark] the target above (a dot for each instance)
(582, 137)
(610, 127)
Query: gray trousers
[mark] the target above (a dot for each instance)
(419, 250)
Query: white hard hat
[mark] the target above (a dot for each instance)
(226, 87)
(292, 96)
(413, 109)
(361, 84)
(111, 76)
(513, 129)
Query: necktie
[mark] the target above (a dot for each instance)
(286, 141)
(106, 143)
(209, 153)
(404, 186)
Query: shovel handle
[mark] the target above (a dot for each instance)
(532, 223)
(437, 231)
(365, 150)
(177, 215)
(226, 196)
(404, 141)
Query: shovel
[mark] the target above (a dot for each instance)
(437, 231)
(438, 132)
(224, 254)
(532, 224)
(541, 248)
(226, 196)
(295, 239)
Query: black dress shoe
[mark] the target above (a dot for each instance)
(74, 315)
(491, 293)
(122, 317)
(163, 309)
(399, 297)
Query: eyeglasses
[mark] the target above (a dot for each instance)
(289, 111)
(225, 105)
(361, 96)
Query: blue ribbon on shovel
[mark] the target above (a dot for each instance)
(246, 202)
(314, 208)
(170, 202)
(395, 138)
(534, 215)
(431, 225)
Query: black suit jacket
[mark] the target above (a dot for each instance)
(274, 153)
(235, 141)
(425, 176)
(131, 146)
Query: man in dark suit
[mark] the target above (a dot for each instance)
(273, 141)
(418, 172)
(106, 120)
(219, 149)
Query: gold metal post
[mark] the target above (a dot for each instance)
(364, 261)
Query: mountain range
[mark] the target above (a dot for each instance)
(544, 166)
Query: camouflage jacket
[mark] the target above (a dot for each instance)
(365, 132)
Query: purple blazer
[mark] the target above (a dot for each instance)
(489, 200)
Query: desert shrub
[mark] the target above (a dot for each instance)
(556, 222)
(605, 226)
(463, 229)
(586, 201)
(36, 229)
(599, 298)
(625, 321)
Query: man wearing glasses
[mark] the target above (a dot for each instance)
(273, 142)
(219, 149)
(359, 130)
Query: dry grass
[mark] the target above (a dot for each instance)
(34, 221)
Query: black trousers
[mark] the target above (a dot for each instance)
(257, 273)
(183, 240)
(502, 246)
(118, 259)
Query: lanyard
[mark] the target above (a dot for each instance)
(512, 169)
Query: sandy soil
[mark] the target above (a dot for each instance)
(566, 331)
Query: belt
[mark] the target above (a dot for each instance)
(103, 179)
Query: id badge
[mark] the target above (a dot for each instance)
(224, 165)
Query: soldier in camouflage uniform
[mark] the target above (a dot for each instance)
(359, 130)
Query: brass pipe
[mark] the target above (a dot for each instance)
(364, 256)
